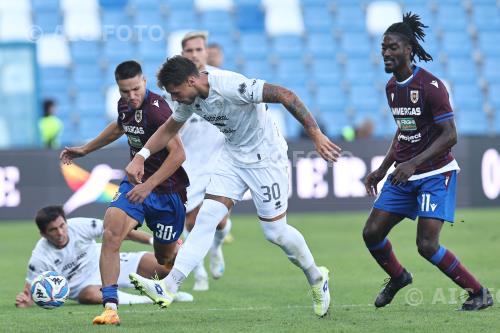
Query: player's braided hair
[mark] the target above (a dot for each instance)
(412, 29)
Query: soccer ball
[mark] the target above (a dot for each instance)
(49, 290)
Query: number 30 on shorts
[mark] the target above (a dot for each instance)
(271, 192)
(164, 232)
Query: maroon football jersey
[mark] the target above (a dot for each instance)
(139, 125)
(417, 105)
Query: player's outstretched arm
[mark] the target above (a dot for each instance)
(277, 94)
(374, 177)
(446, 139)
(111, 133)
(159, 140)
(176, 156)
(23, 299)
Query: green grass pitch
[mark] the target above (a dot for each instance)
(262, 292)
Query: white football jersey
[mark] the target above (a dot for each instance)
(77, 260)
(232, 105)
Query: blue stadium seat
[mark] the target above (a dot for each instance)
(472, 122)
(116, 51)
(486, 17)
(253, 45)
(321, 45)
(457, 43)
(330, 98)
(152, 50)
(182, 19)
(217, 21)
(355, 44)
(88, 77)
(52, 5)
(250, 18)
(452, 18)
(491, 70)
(359, 70)
(90, 102)
(467, 97)
(49, 21)
(258, 68)
(364, 97)
(288, 46)
(422, 9)
(489, 43)
(317, 19)
(148, 5)
(301, 90)
(462, 70)
(326, 72)
(149, 17)
(185, 5)
(91, 126)
(112, 4)
(114, 19)
(334, 122)
(494, 96)
(291, 72)
(309, 3)
(85, 51)
(350, 18)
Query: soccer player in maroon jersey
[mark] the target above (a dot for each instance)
(159, 199)
(424, 181)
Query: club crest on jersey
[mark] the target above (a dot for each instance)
(138, 116)
(414, 96)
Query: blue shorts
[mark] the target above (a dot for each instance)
(429, 197)
(164, 213)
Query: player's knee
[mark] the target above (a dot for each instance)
(274, 231)
(427, 247)
(111, 240)
(371, 235)
(165, 258)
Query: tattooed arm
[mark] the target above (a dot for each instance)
(277, 94)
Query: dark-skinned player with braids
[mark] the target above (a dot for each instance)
(423, 183)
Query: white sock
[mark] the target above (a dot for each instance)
(294, 245)
(221, 234)
(111, 306)
(126, 298)
(197, 244)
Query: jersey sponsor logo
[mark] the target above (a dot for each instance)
(134, 141)
(133, 129)
(410, 138)
(242, 88)
(116, 196)
(212, 119)
(138, 116)
(406, 124)
(405, 111)
(414, 96)
(435, 83)
(156, 103)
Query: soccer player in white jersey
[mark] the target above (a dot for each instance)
(69, 247)
(200, 163)
(254, 157)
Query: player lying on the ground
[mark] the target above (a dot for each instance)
(424, 181)
(70, 248)
(254, 157)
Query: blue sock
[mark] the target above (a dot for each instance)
(110, 294)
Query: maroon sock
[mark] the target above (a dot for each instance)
(385, 257)
(449, 264)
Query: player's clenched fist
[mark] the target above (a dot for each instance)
(135, 170)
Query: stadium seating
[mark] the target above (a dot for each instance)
(326, 50)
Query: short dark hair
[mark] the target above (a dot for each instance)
(48, 104)
(127, 70)
(48, 214)
(175, 71)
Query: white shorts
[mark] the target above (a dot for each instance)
(196, 190)
(129, 262)
(268, 186)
